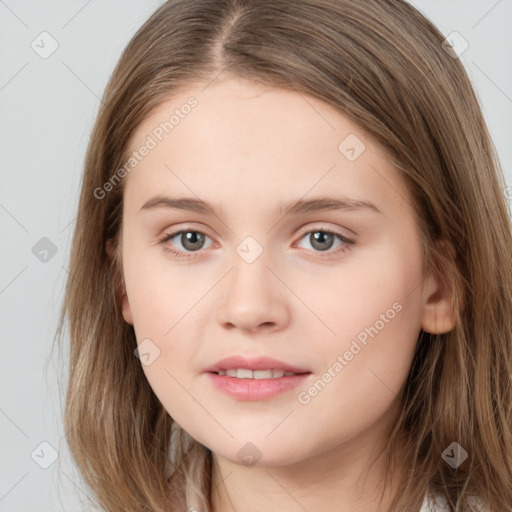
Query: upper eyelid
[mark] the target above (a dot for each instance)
(325, 228)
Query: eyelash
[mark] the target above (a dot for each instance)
(179, 254)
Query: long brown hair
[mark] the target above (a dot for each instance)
(383, 65)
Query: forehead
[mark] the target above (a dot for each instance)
(258, 140)
(248, 113)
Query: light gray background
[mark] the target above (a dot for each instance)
(47, 108)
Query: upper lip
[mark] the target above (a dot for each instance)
(253, 363)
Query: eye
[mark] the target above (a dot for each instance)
(190, 241)
(322, 240)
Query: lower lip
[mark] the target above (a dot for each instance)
(256, 389)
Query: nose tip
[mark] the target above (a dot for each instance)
(253, 299)
(250, 319)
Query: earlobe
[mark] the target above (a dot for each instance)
(121, 296)
(438, 314)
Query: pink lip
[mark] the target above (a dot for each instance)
(253, 363)
(255, 389)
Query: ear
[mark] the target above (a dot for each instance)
(438, 314)
(121, 296)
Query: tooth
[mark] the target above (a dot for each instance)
(243, 373)
(262, 374)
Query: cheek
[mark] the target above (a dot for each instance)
(162, 329)
(352, 297)
(155, 288)
(363, 370)
(165, 300)
(157, 303)
(374, 311)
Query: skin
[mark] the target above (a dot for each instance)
(247, 148)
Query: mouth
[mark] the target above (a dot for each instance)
(255, 378)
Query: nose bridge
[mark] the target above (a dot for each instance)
(252, 295)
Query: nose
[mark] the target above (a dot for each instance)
(255, 299)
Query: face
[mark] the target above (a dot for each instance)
(332, 289)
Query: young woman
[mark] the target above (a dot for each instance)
(291, 275)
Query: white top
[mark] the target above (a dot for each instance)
(440, 504)
(430, 506)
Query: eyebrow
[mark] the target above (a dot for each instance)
(296, 207)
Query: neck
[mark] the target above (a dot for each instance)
(347, 478)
